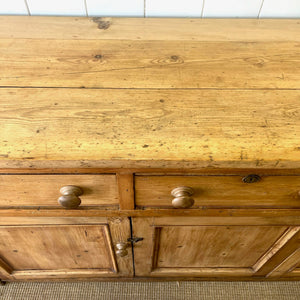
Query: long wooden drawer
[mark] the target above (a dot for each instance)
(44, 190)
(219, 191)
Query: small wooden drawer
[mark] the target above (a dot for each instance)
(44, 190)
(220, 191)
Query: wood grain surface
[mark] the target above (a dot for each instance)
(214, 246)
(149, 64)
(209, 126)
(43, 190)
(120, 92)
(70, 28)
(184, 247)
(57, 250)
(130, 95)
(219, 191)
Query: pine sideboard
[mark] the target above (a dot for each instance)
(149, 149)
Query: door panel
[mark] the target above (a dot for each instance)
(213, 246)
(61, 251)
(173, 248)
(70, 247)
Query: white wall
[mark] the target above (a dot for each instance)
(155, 8)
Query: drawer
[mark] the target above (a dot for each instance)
(219, 191)
(44, 190)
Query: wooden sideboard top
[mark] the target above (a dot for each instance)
(128, 92)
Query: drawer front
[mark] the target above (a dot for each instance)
(44, 190)
(219, 191)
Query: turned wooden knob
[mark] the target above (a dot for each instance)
(70, 197)
(183, 197)
(121, 249)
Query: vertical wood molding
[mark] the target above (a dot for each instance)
(156, 243)
(5, 268)
(110, 246)
(120, 232)
(126, 190)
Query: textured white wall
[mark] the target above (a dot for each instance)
(155, 8)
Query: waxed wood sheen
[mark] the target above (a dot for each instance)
(75, 125)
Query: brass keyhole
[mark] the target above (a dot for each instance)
(252, 178)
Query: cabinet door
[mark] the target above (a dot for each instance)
(190, 247)
(40, 251)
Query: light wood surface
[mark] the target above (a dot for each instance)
(63, 251)
(64, 28)
(284, 257)
(149, 64)
(43, 190)
(284, 239)
(220, 191)
(129, 109)
(86, 125)
(208, 216)
(57, 247)
(120, 232)
(173, 249)
(126, 190)
(213, 246)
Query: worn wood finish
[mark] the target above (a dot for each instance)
(126, 190)
(43, 190)
(284, 255)
(149, 64)
(146, 166)
(58, 249)
(260, 216)
(5, 268)
(65, 274)
(92, 124)
(120, 232)
(129, 109)
(214, 246)
(170, 170)
(220, 191)
(188, 249)
(143, 251)
(52, 220)
(287, 266)
(64, 28)
(220, 220)
(288, 234)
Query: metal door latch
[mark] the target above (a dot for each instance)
(134, 239)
